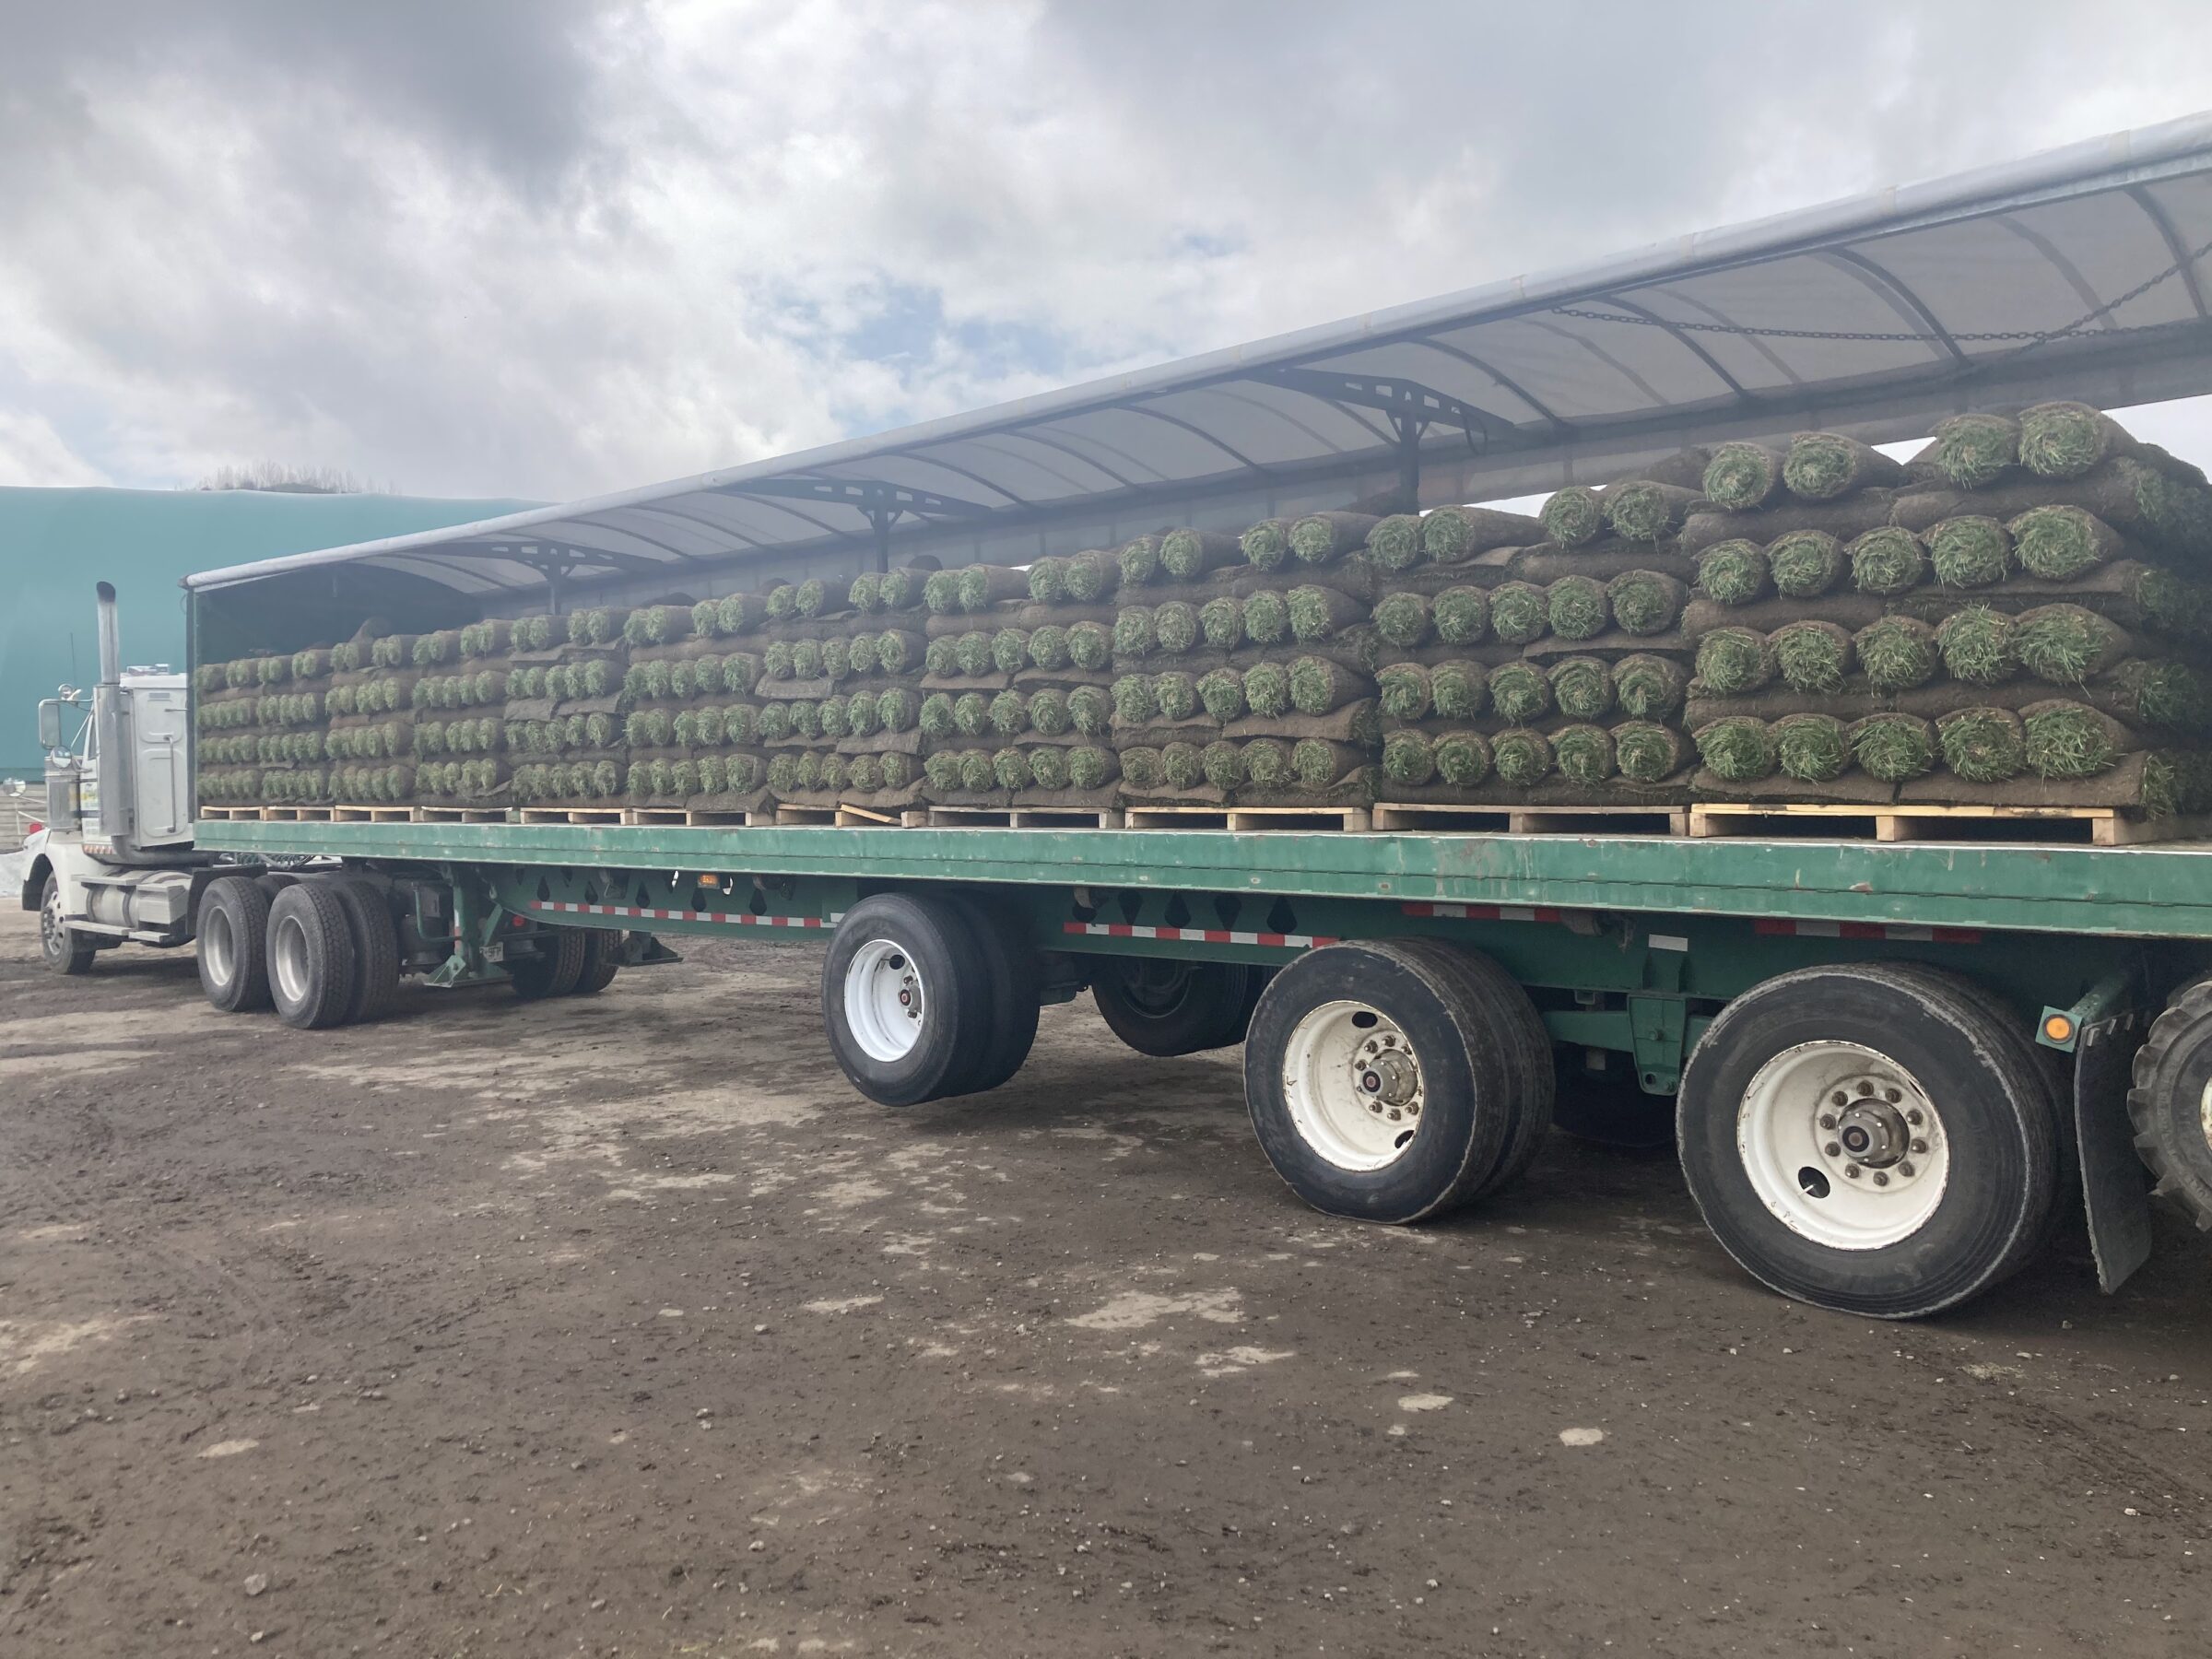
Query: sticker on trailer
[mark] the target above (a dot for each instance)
(1197, 935)
(647, 913)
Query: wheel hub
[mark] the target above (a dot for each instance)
(1842, 1144)
(1354, 1085)
(1389, 1076)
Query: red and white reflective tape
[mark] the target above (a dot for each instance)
(728, 918)
(1487, 912)
(1197, 935)
(1869, 930)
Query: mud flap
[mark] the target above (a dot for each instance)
(2116, 1187)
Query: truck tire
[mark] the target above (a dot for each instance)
(233, 932)
(2171, 1099)
(1386, 1080)
(602, 957)
(1163, 1008)
(60, 947)
(312, 968)
(556, 970)
(906, 998)
(375, 946)
(1873, 1138)
(1533, 1079)
(1010, 965)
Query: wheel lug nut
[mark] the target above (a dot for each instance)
(1904, 1169)
(1827, 1120)
(1919, 1145)
(1893, 1095)
(1865, 1088)
(1832, 1149)
(1842, 1099)
(1913, 1116)
(1851, 1171)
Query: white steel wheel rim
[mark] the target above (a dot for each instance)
(2204, 1115)
(289, 957)
(1354, 1085)
(219, 944)
(53, 931)
(884, 1001)
(1842, 1146)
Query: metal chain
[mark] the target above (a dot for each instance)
(2028, 340)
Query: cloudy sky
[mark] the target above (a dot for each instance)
(553, 247)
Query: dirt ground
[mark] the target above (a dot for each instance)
(618, 1326)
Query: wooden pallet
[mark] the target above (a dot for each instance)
(825, 816)
(232, 815)
(1245, 820)
(850, 817)
(2078, 826)
(460, 815)
(570, 815)
(297, 815)
(372, 815)
(1011, 817)
(1532, 821)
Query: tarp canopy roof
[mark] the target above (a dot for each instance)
(2080, 272)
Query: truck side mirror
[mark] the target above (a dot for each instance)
(50, 723)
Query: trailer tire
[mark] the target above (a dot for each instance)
(233, 951)
(602, 957)
(375, 946)
(1356, 1132)
(1916, 1080)
(1533, 1087)
(555, 971)
(1011, 967)
(906, 998)
(60, 947)
(2171, 1101)
(273, 882)
(313, 968)
(1164, 1007)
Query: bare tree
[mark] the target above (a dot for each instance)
(283, 478)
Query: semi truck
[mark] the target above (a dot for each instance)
(1892, 1068)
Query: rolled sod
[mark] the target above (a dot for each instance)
(1584, 753)
(1141, 765)
(776, 660)
(837, 663)
(2060, 542)
(1974, 452)
(1461, 615)
(741, 613)
(805, 720)
(1742, 477)
(1649, 688)
(1459, 691)
(1897, 653)
(1887, 561)
(982, 587)
(1463, 758)
(1133, 633)
(1969, 552)
(1737, 749)
(1187, 555)
(1822, 465)
(1983, 746)
(2065, 643)
(863, 653)
(1813, 656)
(1521, 757)
(1404, 689)
(743, 772)
(1519, 612)
(901, 589)
(1402, 618)
(1732, 572)
(1893, 747)
(1451, 534)
(2066, 440)
(1732, 661)
(1182, 765)
(1267, 689)
(805, 661)
(1223, 764)
(741, 724)
(866, 592)
(1089, 767)
(1223, 692)
(740, 673)
(1812, 748)
(810, 774)
(1317, 686)
(1090, 710)
(972, 651)
(1394, 544)
(1266, 619)
(1048, 767)
(1010, 650)
(1009, 714)
(972, 713)
(1010, 768)
(1266, 543)
(864, 775)
(1320, 613)
(1645, 602)
(1805, 564)
(1315, 763)
(1641, 511)
(1089, 646)
(1223, 622)
(896, 769)
(1573, 516)
(783, 602)
(1268, 763)
(1134, 700)
(832, 711)
(1582, 687)
(1048, 712)
(1408, 759)
(2167, 693)
(940, 592)
(976, 770)
(1139, 559)
(1048, 581)
(1321, 538)
(1175, 627)
(1575, 607)
(1176, 693)
(1092, 575)
(940, 771)
(1048, 646)
(813, 595)
(1520, 692)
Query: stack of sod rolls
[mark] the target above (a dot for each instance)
(261, 738)
(1017, 665)
(457, 742)
(1242, 666)
(676, 709)
(2015, 617)
(822, 679)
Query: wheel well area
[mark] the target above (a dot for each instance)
(34, 882)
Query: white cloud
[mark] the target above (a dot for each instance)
(33, 452)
